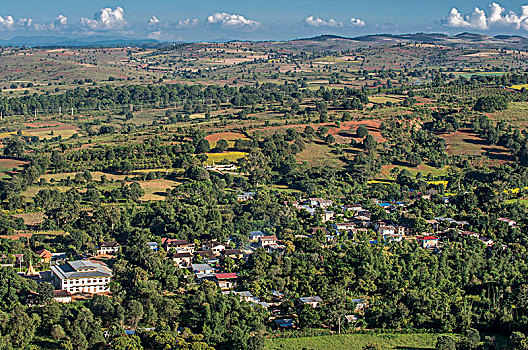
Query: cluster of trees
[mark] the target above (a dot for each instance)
(503, 134)
(491, 104)
(192, 99)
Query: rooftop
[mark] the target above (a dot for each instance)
(81, 269)
(110, 244)
(202, 267)
(226, 276)
(314, 299)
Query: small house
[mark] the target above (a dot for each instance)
(226, 281)
(201, 270)
(153, 246)
(62, 296)
(313, 301)
(215, 247)
(284, 323)
(508, 222)
(109, 248)
(181, 259)
(233, 254)
(327, 216)
(44, 255)
(179, 245)
(344, 226)
(243, 295)
(245, 196)
(255, 235)
(267, 240)
(428, 242)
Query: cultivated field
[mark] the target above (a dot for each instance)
(355, 341)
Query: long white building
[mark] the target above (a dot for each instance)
(82, 276)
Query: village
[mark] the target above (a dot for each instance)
(79, 278)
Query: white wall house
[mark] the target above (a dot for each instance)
(108, 248)
(82, 276)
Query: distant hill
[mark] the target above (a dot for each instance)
(98, 40)
(336, 42)
(330, 42)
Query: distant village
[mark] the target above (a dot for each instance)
(85, 276)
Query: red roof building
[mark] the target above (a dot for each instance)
(226, 281)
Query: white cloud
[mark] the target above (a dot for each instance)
(154, 21)
(106, 19)
(7, 23)
(161, 30)
(60, 23)
(478, 19)
(187, 23)
(311, 21)
(356, 22)
(232, 21)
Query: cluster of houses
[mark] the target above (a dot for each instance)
(353, 219)
(91, 275)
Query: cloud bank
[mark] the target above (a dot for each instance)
(8, 23)
(231, 21)
(356, 22)
(312, 21)
(106, 19)
(497, 17)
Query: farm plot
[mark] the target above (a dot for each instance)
(227, 157)
(318, 154)
(228, 136)
(355, 341)
(465, 142)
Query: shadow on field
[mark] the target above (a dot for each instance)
(479, 142)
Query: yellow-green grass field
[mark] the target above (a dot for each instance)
(355, 341)
(516, 113)
(513, 201)
(480, 74)
(48, 134)
(519, 87)
(422, 168)
(225, 157)
(317, 154)
(386, 98)
(282, 189)
(154, 189)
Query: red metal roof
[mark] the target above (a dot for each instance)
(427, 238)
(225, 276)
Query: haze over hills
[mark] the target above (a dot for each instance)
(334, 42)
(97, 40)
(324, 41)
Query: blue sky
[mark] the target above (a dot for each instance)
(194, 20)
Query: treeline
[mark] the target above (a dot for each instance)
(503, 134)
(192, 97)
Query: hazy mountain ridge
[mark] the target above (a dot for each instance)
(320, 42)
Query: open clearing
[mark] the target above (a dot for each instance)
(516, 114)
(9, 164)
(155, 189)
(228, 157)
(228, 136)
(386, 98)
(422, 168)
(465, 142)
(319, 154)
